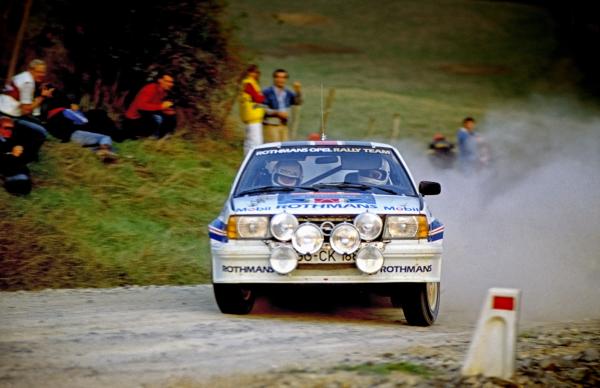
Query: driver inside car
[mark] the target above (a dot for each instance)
(376, 176)
(287, 173)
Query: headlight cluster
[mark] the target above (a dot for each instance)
(345, 238)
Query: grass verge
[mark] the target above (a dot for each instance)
(140, 221)
(386, 368)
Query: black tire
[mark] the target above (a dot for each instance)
(234, 299)
(419, 301)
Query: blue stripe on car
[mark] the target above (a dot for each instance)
(217, 231)
(436, 231)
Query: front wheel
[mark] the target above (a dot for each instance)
(234, 299)
(419, 301)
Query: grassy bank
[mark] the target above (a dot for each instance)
(143, 220)
(140, 221)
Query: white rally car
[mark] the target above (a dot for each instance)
(328, 213)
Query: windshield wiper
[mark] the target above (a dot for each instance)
(358, 186)
(271, 189)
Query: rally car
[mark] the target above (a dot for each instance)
(328, 213)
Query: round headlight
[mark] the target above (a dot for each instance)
(253, 227)
(307, 238)
(369, 225)
(345, 239)
(283, 260)
(401, 227)
(369, 260)
(283, 226)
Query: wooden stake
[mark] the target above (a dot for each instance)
(371, 128)
(295, 121)
(327, 109)
(15, 54)
(396, 127)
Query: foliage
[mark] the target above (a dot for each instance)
(107, 50)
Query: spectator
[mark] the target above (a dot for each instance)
(251, 109)
(66, 122)
(467, 141)
(441, 153)
(278, 101)
(13, 167)
(151, 113)
(19, 101)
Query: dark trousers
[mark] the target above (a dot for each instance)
(15, 174)
(30, 133)
(155, 124)
(100, 122)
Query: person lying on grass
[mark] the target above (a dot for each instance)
(66, 122)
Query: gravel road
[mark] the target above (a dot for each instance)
(150, 336)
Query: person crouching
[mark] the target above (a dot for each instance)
(13, 165)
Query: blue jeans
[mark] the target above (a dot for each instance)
(86, 138)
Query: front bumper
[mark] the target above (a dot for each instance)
(247, 261)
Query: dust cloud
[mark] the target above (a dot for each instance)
(529, 221)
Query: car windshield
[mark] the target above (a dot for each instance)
(324, 168)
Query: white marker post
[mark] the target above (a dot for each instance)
(494, 345)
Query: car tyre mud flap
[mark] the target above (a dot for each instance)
(419, 301)
(234, 299)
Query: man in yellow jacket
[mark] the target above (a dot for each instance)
(251, 109)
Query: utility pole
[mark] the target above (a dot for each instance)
(326, 110)
(17, 47)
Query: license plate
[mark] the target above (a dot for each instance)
(326, 256)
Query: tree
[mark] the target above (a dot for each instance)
(107, 50)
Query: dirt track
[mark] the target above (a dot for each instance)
(140, 335)
(148, 336)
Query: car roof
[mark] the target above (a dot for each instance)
(323, 143)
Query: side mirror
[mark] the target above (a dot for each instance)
(429, 188)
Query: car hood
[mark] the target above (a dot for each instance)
(326, 203)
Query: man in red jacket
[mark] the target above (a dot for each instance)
(151, 113)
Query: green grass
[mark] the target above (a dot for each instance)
(431, 62)
(140, 221)
(386, 368)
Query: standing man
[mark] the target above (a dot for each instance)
(20, 102)
(251, 109)
(151, 113)
(467, 141)
(279, 101)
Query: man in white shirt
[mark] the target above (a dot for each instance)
(19, 102)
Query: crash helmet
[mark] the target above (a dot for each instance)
(439, 137)
(287, 173)
(375, 176)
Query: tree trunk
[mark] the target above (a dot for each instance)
(17, 47)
